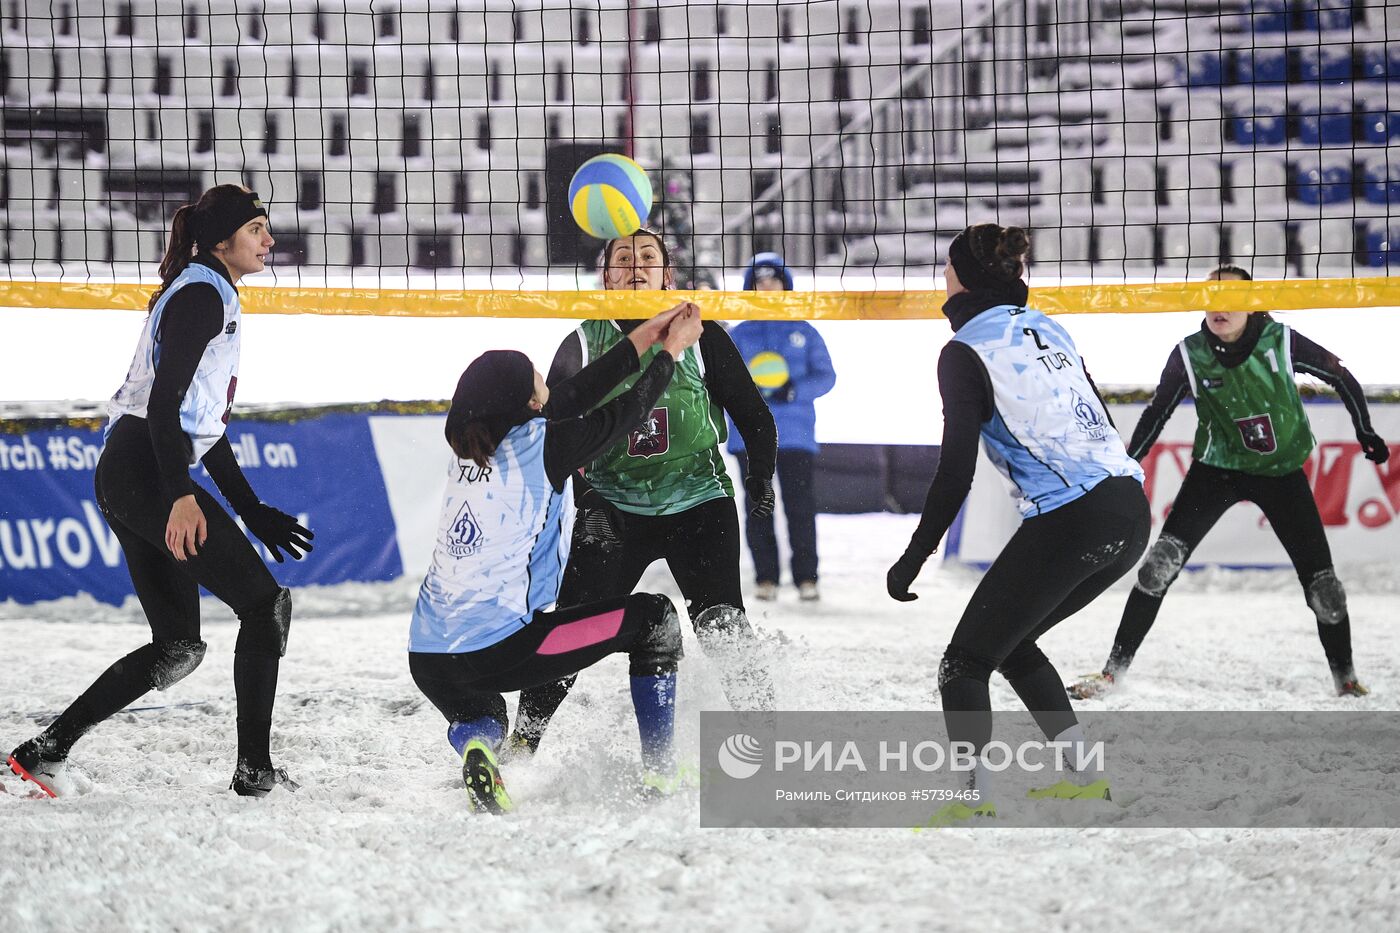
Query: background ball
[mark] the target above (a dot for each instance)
(610, 196)
(769, 370)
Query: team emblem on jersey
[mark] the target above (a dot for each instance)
(1089, 419)
(1258, 433)
(464, 538)
(232, 326)
(652, 438)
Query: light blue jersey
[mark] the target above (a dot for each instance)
(502, 543)
(1048, 433)
(205, 409)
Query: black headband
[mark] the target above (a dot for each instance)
(216, 223)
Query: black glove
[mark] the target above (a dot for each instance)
(761, 499)
(783, 393)
(902, 574)
(276, 529)
(1374, 447)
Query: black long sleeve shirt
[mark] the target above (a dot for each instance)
(575, 435)
(1308, 357)
(727, 380)
(193, 317)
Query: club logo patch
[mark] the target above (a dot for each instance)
(1257, 433)
(652, 438)
(464, 538)
(1089, 419)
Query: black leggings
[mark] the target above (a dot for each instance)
(1054, 566)
(1205, 495)
(468, 686)
(800, 508)
(226, 565)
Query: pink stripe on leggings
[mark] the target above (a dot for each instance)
(585, 632)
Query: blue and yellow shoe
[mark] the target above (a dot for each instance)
(1066, 790)
(959, 814)
(657, 784)
(482, 775)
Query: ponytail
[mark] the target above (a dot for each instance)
(179, 250)
(472, 441)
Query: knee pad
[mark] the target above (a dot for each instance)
(174, 661)
(1326, 598)
(1023, 659)
(658, 650)
(959, 662)
(263, 628)
(722, 624)
(1164, 561)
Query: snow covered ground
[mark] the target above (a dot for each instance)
(380, 836)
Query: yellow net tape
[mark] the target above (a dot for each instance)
(1292, 294)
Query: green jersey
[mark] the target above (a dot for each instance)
(672, 462)
(1249, 417)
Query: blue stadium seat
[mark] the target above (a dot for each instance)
(1319, 184)
(1262, 66)
(1327, 127)
(1203, 69)
(1382, 125)
(1270, 15)
(1327, 14)
(1259, 129)
(1326, 63)
(1382, 182)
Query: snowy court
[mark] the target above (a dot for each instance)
(380, 836)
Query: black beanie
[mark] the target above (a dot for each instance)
(224, 215)
(973, 257)
(496, 386)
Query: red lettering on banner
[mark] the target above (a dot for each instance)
(1178, 454)
(1373, 512)
(1329, 472)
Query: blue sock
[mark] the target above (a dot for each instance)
(654, 699)
(488, 728)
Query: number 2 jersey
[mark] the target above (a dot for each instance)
(1048, 432)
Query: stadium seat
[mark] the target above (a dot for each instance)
(1262, 66)
(1376, 246)
(1330, 125)
(31, 186)
(1203, 69)
(1264, 127)
(475, 246)
(1381, 124)
(1269, 15)
(1327, 14)
(1203, 122)
(1324, 181)
(1382, 181)
(1258, 246)
(1139, 184)
(1328, 63)
(31, 238)
(1327, 246)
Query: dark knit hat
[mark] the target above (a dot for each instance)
(498, 384)
(973, 255)
(224, 210)
(766, 265)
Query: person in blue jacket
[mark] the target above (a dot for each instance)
(789, 362)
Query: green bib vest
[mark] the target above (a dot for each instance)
(672, 462)
(1249, 418)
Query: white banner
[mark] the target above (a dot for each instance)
(1359, 500)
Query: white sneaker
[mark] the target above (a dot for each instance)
(767, 592)
(807, 591)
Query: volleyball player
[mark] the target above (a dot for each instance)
(1012, 376)
(1252, 439)
(169, 415)
(663, 493)
(483, 623)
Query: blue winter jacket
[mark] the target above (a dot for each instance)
(809, 370)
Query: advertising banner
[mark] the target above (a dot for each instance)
(55, 542)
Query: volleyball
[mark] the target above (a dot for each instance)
(610, 196)
(769, 370)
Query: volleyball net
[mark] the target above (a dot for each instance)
(416, 158)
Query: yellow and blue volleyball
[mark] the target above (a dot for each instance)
(769, 370)
(610, 196)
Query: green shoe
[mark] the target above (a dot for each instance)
(958, 814)
(657, 784)
(1065, 790)
(482, 775)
